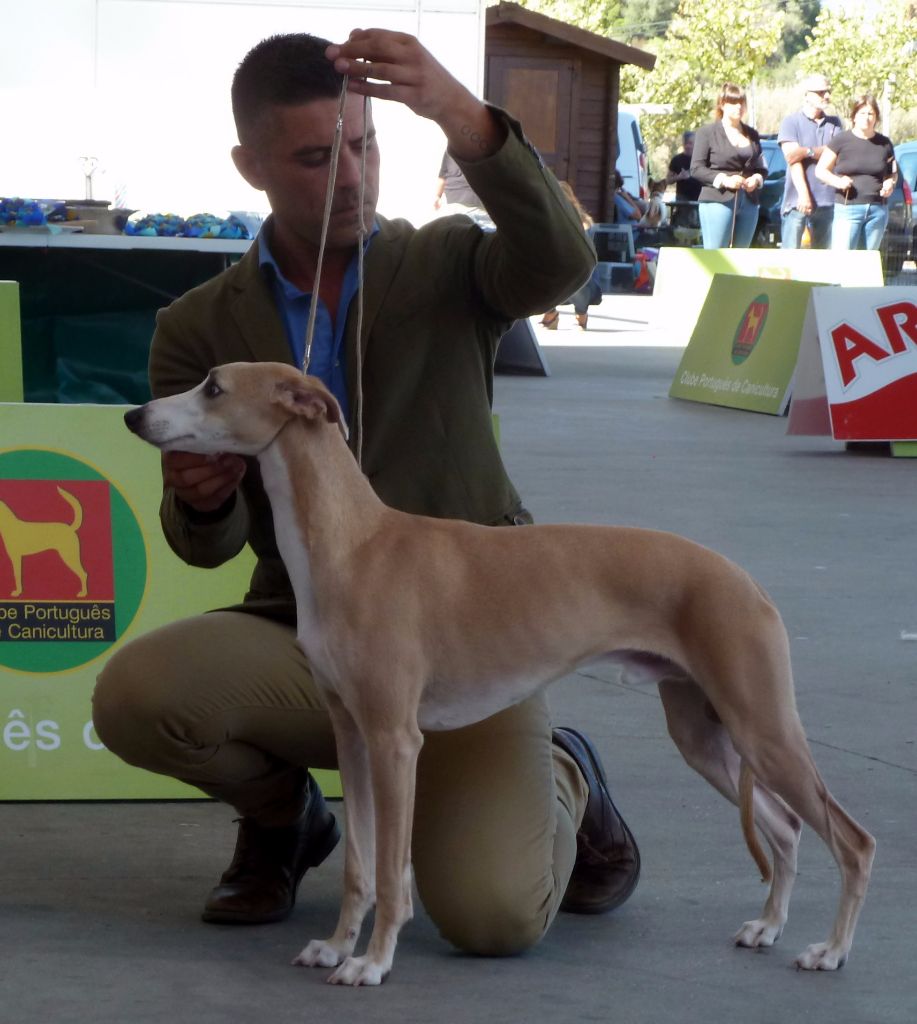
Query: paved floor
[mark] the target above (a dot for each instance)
(99, 902)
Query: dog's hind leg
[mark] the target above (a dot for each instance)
(360, 855)
(70, 555)
(776, 749)
(750, 683)
(707, 747)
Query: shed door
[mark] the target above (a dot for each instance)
(539, 92)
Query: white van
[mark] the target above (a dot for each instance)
(631, 159)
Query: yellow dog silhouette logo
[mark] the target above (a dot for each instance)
(22, 538)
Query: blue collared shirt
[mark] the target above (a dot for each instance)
(326, 360)
(806, 131)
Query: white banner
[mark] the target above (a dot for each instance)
(857, 371)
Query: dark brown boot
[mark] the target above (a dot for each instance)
(260, 884)
(607, 864)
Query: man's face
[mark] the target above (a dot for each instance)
(290, 160)
(689, 145)
(818, 96)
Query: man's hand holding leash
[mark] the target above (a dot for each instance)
(395, 66)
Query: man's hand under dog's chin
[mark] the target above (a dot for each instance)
(202, 482)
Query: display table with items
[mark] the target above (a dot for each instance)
(88, 304)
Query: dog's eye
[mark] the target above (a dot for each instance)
(213, 390)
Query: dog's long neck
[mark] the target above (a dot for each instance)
(319, 496)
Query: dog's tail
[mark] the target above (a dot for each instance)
(747, 813)
(75, 505)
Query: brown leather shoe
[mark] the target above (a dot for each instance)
(607, 864)
(260, 884)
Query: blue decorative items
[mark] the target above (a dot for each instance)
(29, 213)
(199, 225)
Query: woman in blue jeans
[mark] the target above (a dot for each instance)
(727, 160)
(860, 165)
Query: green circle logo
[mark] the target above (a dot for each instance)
(749, 329)
(73, 562)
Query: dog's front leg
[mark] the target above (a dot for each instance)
(359, 856)
(17, 576)
(393, 763)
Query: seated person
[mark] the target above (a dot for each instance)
(628, 209)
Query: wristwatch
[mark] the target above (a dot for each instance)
(810, 152)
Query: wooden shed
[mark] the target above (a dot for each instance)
(563, 84)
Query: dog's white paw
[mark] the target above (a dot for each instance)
(821, 956)
(319, 953)
(359, 970)
(758, 933)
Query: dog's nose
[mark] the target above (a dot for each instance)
(133, 418)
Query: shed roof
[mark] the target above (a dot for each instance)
(506, 13)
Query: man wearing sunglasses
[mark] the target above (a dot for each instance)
(807, 202)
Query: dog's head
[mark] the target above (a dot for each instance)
(239, 408)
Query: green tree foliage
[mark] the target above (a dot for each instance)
(861, 49)
(649, 19)
(800, 19)
(706, 44)
(646, 19)
(600, 16)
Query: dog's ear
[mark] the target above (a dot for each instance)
(302, 398)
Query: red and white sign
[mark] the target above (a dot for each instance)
(857, 372)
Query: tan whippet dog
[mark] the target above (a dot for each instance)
(412, 623)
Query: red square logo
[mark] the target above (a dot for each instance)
(55, 540)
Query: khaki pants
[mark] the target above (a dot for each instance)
(226, 702)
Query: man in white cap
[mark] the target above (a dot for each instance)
(807, 202)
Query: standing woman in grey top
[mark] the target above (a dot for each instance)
(727, 160)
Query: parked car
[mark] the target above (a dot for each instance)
(899, 242)
(768, 231)
(906, 155)
(631, 160)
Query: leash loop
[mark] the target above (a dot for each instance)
(361, 241)
(361, 244)
(326, 218)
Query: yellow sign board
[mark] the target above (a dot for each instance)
(65, 607)
(743, 351)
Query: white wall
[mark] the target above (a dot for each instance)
(143, 86)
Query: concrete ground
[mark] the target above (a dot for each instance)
(99, 903)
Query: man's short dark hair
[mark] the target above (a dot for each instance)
(282, 70)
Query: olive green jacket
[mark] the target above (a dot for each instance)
(436, 301)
